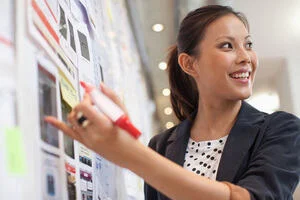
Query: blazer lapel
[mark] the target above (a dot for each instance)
(239, 142)
(176, 146)
(177, 143)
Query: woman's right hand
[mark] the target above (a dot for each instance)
(100, 135)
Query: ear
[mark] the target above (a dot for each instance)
(186, 63)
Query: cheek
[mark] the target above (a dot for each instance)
(221, 63)
(254, 60)
(255, 63)
(214, 69)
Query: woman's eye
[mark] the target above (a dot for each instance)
(226, 45)
(249, 45)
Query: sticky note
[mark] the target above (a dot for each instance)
(109, 11)
(69, 94)
(14, 151)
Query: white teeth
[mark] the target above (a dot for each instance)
(241, 75)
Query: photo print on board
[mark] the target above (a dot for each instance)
(71, 181)
(85, 155)
(51, 182)
(68, 141)
(99, 77)
(84, 47)
(72, 39)
(101, 73)
(86, 185)
(47, 105)
(100, 183)
(104, 179)
(62, 23)
(85, 57)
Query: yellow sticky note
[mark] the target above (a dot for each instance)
(109, 11)
(15, 151)
(69, 94)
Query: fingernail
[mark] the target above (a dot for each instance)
(46, 119)
(102, 84)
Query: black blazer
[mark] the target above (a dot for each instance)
(261, 154)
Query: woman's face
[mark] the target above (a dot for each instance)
(226, 64)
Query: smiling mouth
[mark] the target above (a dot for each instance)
(240, 75)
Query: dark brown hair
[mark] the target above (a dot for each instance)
(184, 92)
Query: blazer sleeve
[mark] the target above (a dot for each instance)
(274, 167)
(149, 192)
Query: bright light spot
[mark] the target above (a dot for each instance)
(166, 92)
(157, 27)
(168, 110)
(162, 65)
(295, 15)
(292, 22)
(267, 101)
(169, 125)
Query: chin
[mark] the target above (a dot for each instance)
(245, 95)
(241, 94)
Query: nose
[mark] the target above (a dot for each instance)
(243, 56)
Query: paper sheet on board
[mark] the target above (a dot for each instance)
(7, 29)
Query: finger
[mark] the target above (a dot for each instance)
(113, 96)
(73, 119)
(87, 99)
(71, 115)
(62, 126)
(95, 117)
(81, 126)
(90, 113)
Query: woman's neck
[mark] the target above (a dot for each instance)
(214, 119)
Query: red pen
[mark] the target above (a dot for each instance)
(110, 109)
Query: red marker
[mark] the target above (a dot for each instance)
(110, 109)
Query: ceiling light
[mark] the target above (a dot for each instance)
(158, 27)
(169, 125)
(168, 110)
(294, 22)
(162, 65)
(166, 92)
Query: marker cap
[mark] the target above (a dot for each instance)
(88, 88)
(126, 124)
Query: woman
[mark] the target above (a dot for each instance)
(229, 149)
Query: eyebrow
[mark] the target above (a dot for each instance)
(231, 38)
